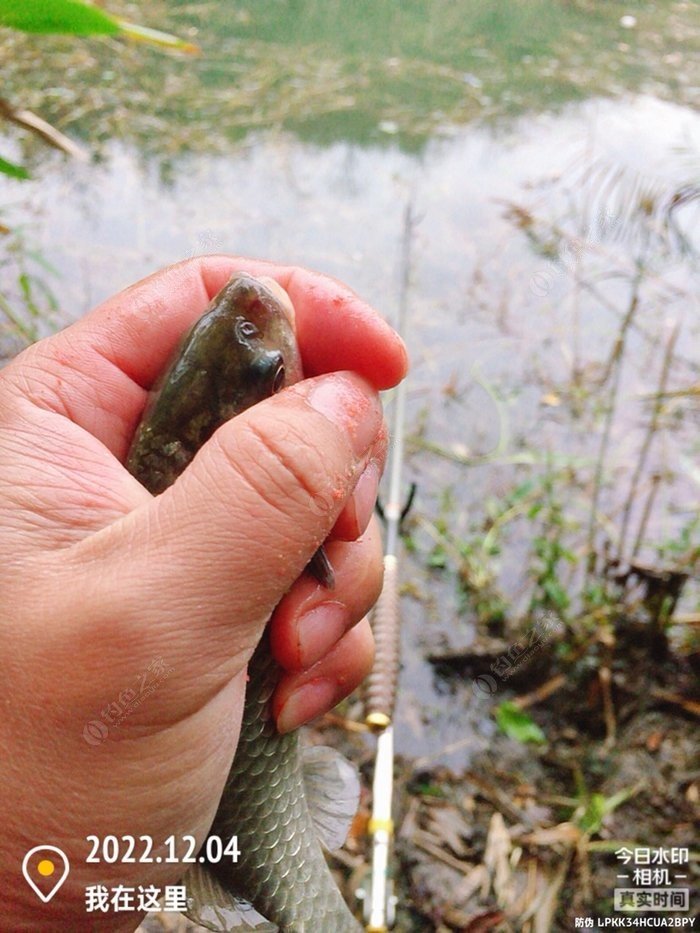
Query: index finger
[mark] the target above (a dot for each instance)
(97, 371)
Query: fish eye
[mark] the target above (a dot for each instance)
(245, 329)
(278, 381)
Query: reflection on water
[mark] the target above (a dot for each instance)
(530, 234)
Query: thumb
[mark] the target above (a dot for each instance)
(209, 559)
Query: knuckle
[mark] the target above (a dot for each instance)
(283, 467)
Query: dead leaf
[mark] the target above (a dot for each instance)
(449, 826)
(564, 833)
(496, 858)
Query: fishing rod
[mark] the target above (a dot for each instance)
(378, 895)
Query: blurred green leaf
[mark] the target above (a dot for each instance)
(14, 171)
(598, 807)
(63, 16)
(79, 18)
(437, 559)
(518, 725)
(592, 818)
(429, 790)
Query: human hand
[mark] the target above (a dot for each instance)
(100, 582)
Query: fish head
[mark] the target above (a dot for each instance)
(242, 350)
(257, 348)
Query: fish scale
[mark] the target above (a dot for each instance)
(281, 868)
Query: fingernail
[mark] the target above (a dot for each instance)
(364, 495)
(319, 629)
(306, 703)
(348, 401)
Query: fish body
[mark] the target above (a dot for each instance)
(241, 351)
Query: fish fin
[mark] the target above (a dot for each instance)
(332, 787)
(210, 905)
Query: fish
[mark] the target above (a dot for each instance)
(282, 802)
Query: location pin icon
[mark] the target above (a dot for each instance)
(45, 868)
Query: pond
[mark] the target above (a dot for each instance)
(550, 155)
